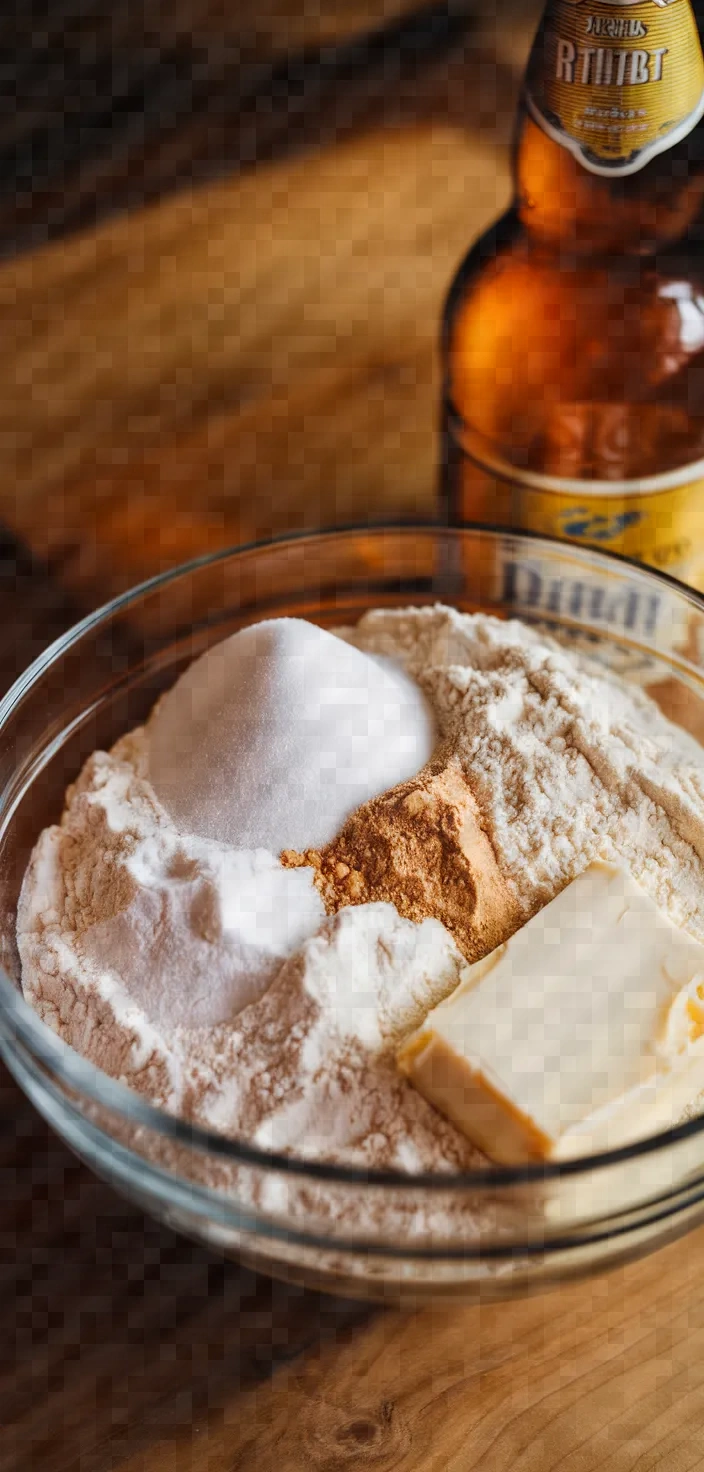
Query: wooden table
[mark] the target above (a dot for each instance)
(226, 234)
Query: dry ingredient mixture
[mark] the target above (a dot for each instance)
(263, 987)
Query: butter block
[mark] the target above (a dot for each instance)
(584, 1031)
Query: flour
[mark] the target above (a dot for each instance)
(310, 1069)
(129, 929)
(206, 976)
(565, 761)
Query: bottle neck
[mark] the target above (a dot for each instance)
(610, 144)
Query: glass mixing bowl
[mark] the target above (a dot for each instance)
(495, 1232)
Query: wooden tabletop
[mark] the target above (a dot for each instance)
(226, 232)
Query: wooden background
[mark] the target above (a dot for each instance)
(226, 231)
(256, 349)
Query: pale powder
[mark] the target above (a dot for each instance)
(564, 760)
(273, 737)
(551, 762)
(128, 929)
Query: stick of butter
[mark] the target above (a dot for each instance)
(579, 1034)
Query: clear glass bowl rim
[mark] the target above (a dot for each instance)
(18, 1019)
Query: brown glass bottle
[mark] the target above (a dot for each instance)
(573, 337)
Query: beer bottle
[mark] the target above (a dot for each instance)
(573, 336)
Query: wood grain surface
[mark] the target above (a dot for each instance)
(257, 354)
(128, 1348)
(244, 220)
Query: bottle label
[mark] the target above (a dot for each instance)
(616, 81)
(658, 521)
(636, 618)
(664, 528)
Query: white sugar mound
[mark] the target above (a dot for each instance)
(271, 739)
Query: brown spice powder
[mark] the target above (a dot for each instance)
(421, 847)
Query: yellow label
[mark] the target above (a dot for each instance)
(664, 528)
(617, 81)
(658, 521)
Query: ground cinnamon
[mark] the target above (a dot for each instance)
(421, 847)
